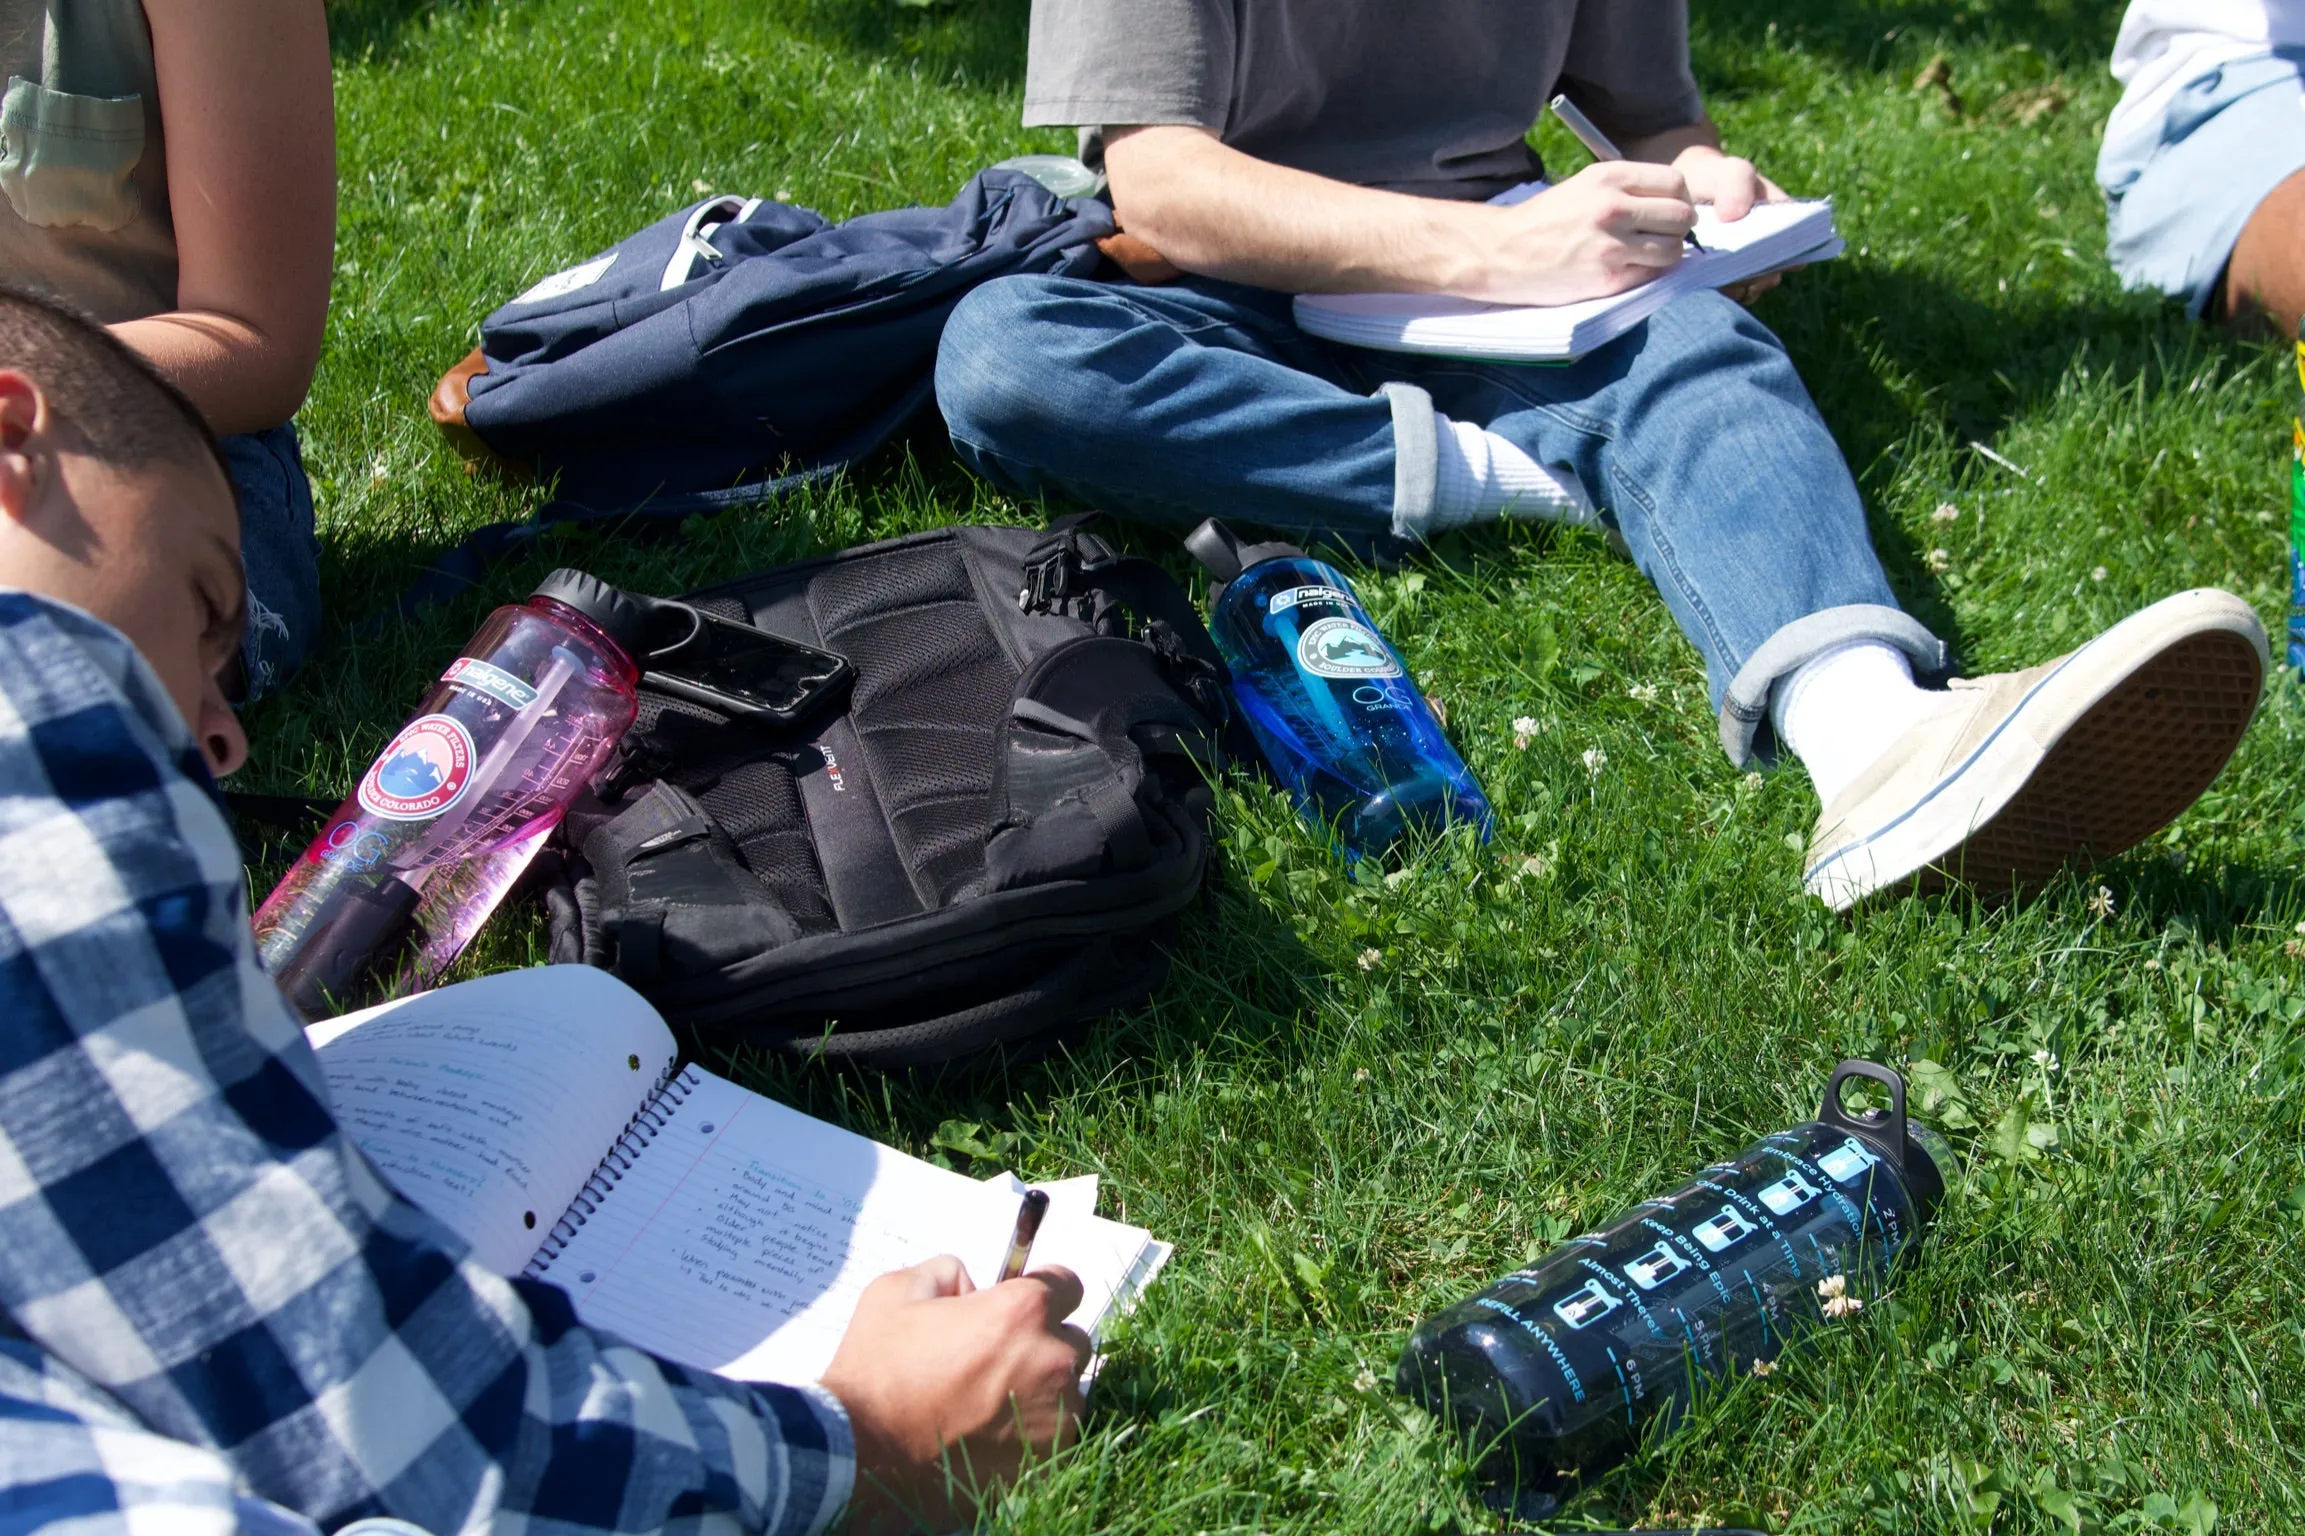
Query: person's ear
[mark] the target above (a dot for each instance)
(222, 742)
(23, 435)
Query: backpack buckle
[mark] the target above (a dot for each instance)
(1051, 571)
(1048, 579)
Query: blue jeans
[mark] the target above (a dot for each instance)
(1693, 435)
(281, 552)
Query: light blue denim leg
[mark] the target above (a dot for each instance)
(2179, 192)
(1169, 404)
(1202, 399)
(1698, 440)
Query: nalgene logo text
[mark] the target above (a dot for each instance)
(1296, 597)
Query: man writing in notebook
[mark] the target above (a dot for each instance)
(1265, 148)
(214, 1315)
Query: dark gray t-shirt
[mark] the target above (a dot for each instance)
(1424, 96)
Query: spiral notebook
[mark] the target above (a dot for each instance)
(542, 1116)
(1772, 236)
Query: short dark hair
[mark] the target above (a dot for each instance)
(132, 417)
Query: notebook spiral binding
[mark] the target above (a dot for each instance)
(672, 1090)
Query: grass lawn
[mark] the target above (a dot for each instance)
(1358, 1101)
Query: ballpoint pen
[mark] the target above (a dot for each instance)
(1028, 1218)
(1597, 143)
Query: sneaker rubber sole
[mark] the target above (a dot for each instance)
(2125, 764)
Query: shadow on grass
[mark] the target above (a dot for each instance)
(2216, 903)
(1853, 328)
(2209, 900)
(1980, 364)
(371, 571)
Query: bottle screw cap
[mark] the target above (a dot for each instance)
(622, 616)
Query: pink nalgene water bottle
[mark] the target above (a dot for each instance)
(459, 801)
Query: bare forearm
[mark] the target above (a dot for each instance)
(1212, 210)
(1215, 211)
(242, 379)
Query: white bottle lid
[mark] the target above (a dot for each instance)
(1061, 174)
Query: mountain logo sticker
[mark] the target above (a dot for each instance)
(1344, 648)
(422, 772)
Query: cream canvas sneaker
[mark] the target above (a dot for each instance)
(2018, 774)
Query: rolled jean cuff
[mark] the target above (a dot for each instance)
(1745, 707)
(1416, 459)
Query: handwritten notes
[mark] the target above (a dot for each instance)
(489, 1104)
(740, 1233)
(741, 1238)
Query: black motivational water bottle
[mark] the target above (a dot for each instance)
(1563, 1366)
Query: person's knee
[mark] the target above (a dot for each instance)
(2265, 279)
(1001, 367)
(1712, 325)
(1708, 341)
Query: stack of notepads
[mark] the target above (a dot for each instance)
(538, 1114)
(1773, 235)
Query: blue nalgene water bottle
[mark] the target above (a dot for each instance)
(1339, 718)
(1563, 1366)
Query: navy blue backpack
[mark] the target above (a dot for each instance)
(736, 347)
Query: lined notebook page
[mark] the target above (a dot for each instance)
(743, 1233)
(490, 1103)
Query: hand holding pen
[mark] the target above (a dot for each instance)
(937, 1375)
(1029, 1216)
(1598, 144)
(1728, 183)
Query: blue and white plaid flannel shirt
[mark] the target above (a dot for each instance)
(208, 1292)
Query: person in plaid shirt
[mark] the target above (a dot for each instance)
(214, 1314)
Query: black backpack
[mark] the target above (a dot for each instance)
(986, 842)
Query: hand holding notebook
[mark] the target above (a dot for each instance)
(1772, 236)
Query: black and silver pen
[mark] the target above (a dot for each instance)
(1028, 1219)
(1597, 143)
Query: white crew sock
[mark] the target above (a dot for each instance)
(1483, 477)
(1839, 711)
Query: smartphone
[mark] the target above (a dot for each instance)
(747, 673)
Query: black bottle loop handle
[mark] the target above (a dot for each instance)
(1870, 1125)
(669, 617)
